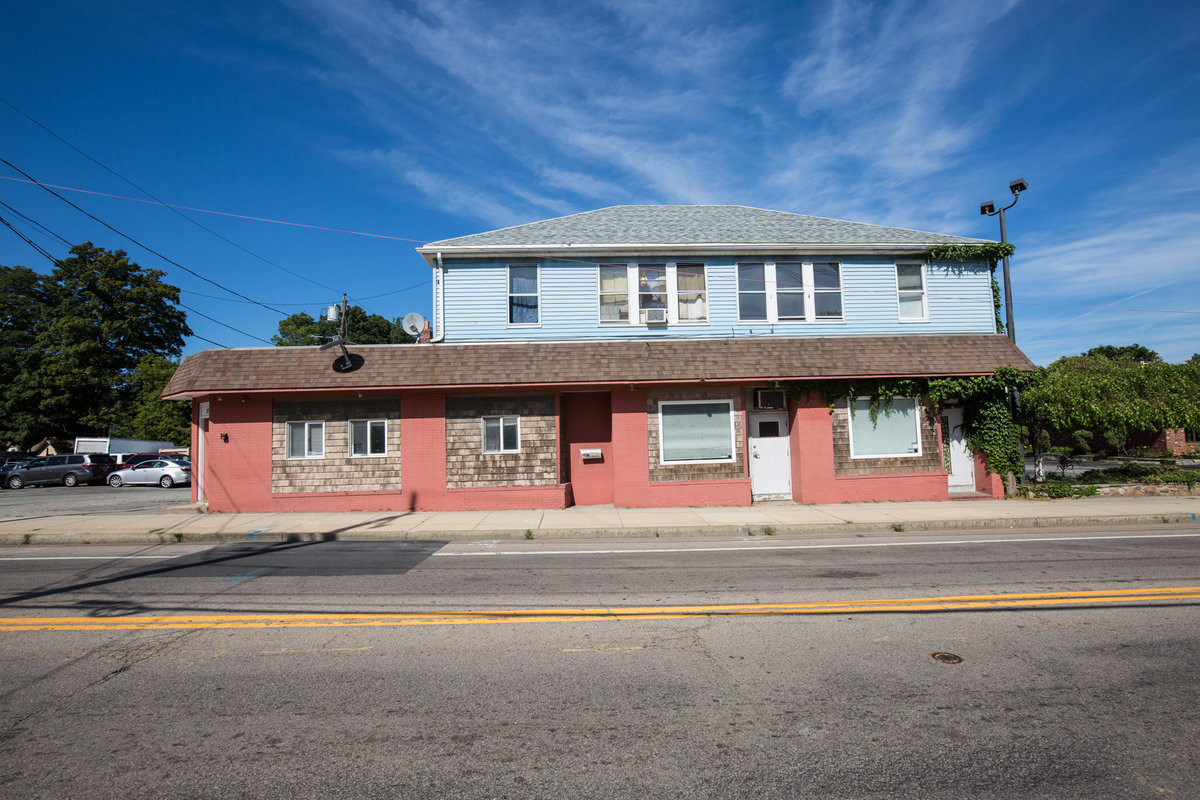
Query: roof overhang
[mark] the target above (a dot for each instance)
(589, 364)
(673, 251)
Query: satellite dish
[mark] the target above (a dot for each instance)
(413, 324)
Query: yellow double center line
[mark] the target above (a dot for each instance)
(954, 603)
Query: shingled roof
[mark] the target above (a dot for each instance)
(642, 226)
(567, 364)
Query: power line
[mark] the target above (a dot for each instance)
(55, 261)
(221, 213)
(28, 241)
(34, 222)
(149, 194)
(139, 244)
(210, 341)
(226, 324)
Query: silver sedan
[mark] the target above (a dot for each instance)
(163, 472)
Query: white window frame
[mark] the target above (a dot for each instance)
(483, 434)
(662, 459)
(916, 401)
(509, 295)
(308, 425)
(368, 422)
(771, 289)
(924, 292)
(632, 287)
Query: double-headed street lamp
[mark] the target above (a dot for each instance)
(989, 208)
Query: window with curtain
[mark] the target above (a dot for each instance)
(692, 292)
(895, 432)
(523, 295)
(614, 293)
(695, 431)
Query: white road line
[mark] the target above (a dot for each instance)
(755, 547)
(85, 558)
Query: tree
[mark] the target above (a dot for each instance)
(148, 415)
(361, 328)
(88, 325)
(1135, 352)
(1113, 396)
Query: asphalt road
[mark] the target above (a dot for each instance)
(474, 669)
(86, 499)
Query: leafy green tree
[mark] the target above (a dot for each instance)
(361, 328)
(1135, 352)
(90, 323)
(148, 415)
(1117, 396)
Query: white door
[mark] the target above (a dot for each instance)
(960, 462)
(770, 456)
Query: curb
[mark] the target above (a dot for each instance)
(711, 531)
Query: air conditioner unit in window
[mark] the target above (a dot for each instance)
(655, 316)
(768, 399)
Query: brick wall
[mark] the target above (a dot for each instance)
(930, 459)
(467, 466)
(694, 472)
(337, 471)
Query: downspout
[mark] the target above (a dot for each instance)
(439, 300)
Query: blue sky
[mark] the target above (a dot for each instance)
(420, 121)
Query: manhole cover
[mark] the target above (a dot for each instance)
(947, 658)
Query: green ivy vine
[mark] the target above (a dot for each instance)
(988, 423)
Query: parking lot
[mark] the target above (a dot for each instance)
(35, 500)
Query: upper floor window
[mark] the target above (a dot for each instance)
(691, 293)
(628, 291)
(523, 294)
(910, 291)
(789, 291)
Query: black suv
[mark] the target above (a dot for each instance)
(68, 469)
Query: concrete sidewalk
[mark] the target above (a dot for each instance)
(593, 522)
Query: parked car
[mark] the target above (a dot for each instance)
(125, 460)
(68, 469)
(12, 466)
(165, 472)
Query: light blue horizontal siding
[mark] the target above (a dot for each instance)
(476, 303)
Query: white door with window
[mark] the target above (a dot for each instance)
(960, 462)
(770, 456)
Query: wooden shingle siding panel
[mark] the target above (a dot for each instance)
(694, 472)
(337, 471)
(930, 459)
(467, 466)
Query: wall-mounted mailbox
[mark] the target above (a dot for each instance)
(591, 453)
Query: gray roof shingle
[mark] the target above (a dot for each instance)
(694, 225)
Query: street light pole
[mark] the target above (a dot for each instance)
(989, 208)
